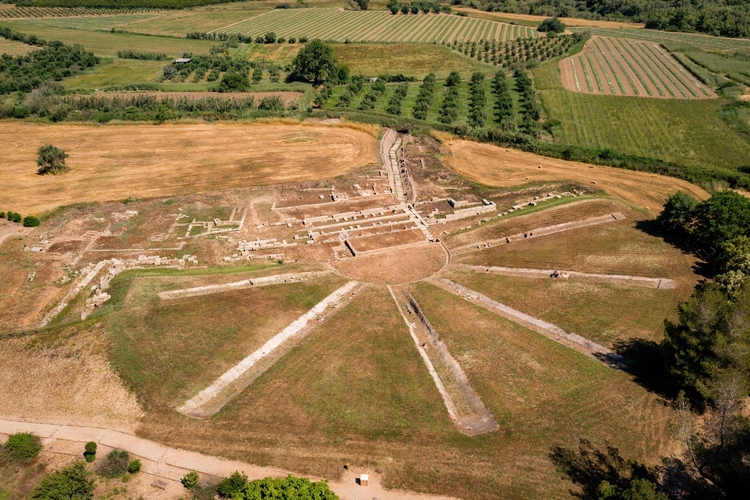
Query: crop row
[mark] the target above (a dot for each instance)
(30, 12)
(377, 26)
(527, 52)
(627, 67)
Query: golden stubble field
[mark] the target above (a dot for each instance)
(112, 162)
(501, 167)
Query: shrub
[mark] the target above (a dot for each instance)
(31, 221)
(232, 485)
(115, 465)
(552, 24)
(269, 37)
(281, 39)
(74, 482)
(190, 480)
(2, 215)
(134, 466)
(23, 446)
(14, 217)
(233, 82)
(303, 39)
(51, 160)
(257, 75)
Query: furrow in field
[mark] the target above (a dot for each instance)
(641, 85)
(408, 28)
(354, 28)
(459, 26)
(609, 56)
(605, 73)
(438, 34)
(655, 69)
(673, 69)
(375, 25)
(391, 27)
(305, 27)
(417, 33)
(585, 73)
(599, 85)
(632, 55)
(689, 76)
(430, 34)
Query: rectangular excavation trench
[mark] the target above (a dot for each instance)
(463, 404)
(210, 400)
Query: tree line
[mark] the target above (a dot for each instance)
(120, 4)
(715, 17)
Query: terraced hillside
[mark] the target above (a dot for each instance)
(377, 26)
(615, 66)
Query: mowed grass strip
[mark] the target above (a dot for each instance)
(114, 162)
(102, 43)
(170, 350)
(338, 25)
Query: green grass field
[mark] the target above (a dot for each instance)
(684, 131)
(15, 48)
(90, 23)
(376, 26)
(116, 72)
(108, 44)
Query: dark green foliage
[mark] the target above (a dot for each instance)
(257, 75)
(283, 489)
(355, 85)
(22, 37)
(637, 489)
(363, 4)
(145, 56)
(51, 160)
(134, 466)
(23, 446)
(115, 465)
(71, 483)
(394, 103)
(316, 63)
(53, 62)
(31, 221)
(453, 79)
(232, 485)
(2, 215)
(269, 37)
(678, 213)
(504, 101)
(393, 6)
(323, 95)
(14, 217)
(424, 99)
(552, 24)
(271, 103)
(234, 82)
(720, 219)
(190, 480)
(531, 111)
(477, 101)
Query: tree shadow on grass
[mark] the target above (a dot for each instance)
(684, 243)
(646, 362)
(589, 466)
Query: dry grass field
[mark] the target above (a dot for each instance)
(500, 167)
(115, 162)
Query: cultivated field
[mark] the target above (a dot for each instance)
(494, 166)
(617, 66)
(118, 161)
(687, 131)
(14, 48)
(530, 18)
(377, 26)
(90, 23)
(108, 44)
(705, 42)
(33, 12)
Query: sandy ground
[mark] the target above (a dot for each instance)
(394, 265)
(286, 97)
(113, 162)
(568, 21)
(502, 167)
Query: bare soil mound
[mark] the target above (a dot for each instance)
(114, 162)
(494, 166)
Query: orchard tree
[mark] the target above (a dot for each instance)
(51, 160)
(316, 63)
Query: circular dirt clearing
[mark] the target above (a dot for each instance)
(394, 265)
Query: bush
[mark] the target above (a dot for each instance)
(2, 215)
(134, 466)
(73, 482)
(190, 480)
(553, 25)
(14, 216)
(232, 485)
(269, 37)
(31, 221)
(23, 446)
(115, 465)
(233, 82)
(51, 160)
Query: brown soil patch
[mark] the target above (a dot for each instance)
(376, 242)
(395, 265)
(114, 162)
(494, 166)
(286, 97)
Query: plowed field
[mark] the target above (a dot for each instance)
(615, 66)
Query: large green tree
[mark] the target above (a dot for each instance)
(316, 63)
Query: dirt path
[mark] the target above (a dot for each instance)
(170, 464)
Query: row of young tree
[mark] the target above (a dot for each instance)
(526, 52)
(448, 112)
(54, 61)
(268, 38)
(531, 111)
(477, 101)
(416, 7)
(424, 98)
